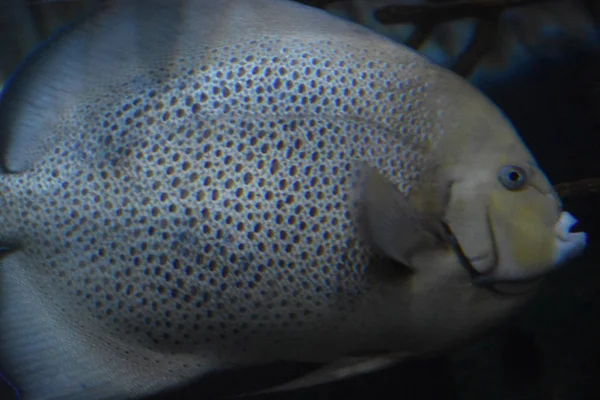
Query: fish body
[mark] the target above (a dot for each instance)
(194, 186)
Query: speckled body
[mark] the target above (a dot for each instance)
(196, 213)
(203, 218)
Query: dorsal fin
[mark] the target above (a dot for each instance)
(140, 43)
(109, 46)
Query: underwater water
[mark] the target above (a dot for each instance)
(542, 67)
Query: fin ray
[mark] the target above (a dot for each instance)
(48, 359)
(339, 370)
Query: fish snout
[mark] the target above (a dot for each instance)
(569, 245)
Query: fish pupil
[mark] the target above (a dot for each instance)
(513, 177)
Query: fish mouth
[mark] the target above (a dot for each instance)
(569, 245)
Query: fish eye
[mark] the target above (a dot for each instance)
(512, 177)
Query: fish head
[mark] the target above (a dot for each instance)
(502, 210)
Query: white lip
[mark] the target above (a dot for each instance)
(568, 244)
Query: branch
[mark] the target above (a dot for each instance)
(318, 3)
(481, 43)
(419, 36)
(446, 11)
(578, 188)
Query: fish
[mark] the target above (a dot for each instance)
(192, 187)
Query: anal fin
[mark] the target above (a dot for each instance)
(341, 369)
(49, 359)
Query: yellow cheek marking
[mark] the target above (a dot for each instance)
(532, 242)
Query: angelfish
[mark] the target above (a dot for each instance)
(196, 186)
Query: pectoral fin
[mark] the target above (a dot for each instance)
(389, 221)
